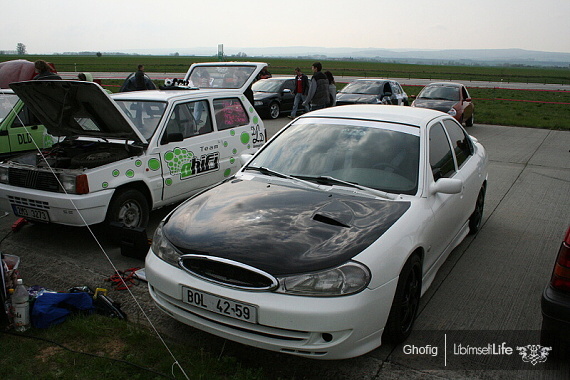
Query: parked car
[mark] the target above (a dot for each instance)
(273, 96)
(448, 97)
(372, 91)
(20, 130)
(322, 244)
(126, 154)
(556, 302)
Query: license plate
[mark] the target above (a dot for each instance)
(31, 213)
(220, 305)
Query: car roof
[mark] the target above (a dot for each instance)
(445, 84)
(386, 113)
(170, 95)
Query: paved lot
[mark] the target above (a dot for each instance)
(487, 292)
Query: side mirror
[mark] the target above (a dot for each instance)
(413, 96)
(244, 158)
(287, 91)
(447, 186)
(172, 137)
(468, 100)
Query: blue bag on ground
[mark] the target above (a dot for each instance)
(53, 308)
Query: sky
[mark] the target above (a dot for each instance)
(60, 26)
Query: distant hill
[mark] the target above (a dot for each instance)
(451, 56)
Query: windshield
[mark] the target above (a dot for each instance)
(267, 85)
(7, 102)
(220, 76)
(367, 87)
(381, 156)
(145, 115)
(440, 93)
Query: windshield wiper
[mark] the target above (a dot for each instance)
(267, 171)
(327, 180)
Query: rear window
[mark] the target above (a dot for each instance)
(230, 113)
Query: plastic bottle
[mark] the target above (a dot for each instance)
(21, 305)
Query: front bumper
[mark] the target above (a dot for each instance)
(320, 328)
(67, 209)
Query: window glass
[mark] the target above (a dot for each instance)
(367, 87)
(220, 76)
(25, 117)
(144, 115)
(460, 142)
(380, 156)
(440, 156)
(190, 119)
(230, 113)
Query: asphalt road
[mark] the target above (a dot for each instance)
(487, 292)
(347, 79)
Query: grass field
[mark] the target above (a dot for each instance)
(535, 109)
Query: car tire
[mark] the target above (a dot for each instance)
(128, 207)
(406, 301)
(476, 219)
(469, 122)
(274, 110)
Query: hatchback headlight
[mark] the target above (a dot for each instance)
(162, 248)
(348, 278)
(4, 178)
(452, 112)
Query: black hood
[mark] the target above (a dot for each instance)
(279, 229)
(434, 104)
(356, 98)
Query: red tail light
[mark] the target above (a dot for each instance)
(81, 184)
(561, 274)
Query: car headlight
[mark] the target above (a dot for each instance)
(452, 112)
(258, 103)
(4, 178)
(162, 248)
(348, 278)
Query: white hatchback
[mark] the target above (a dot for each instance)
(323, 243)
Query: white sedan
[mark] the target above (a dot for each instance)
(323, 243)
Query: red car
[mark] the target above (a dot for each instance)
(556, 302)
(448, 97)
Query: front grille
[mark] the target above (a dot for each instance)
(228, 272)
(33, 179)
(28, 202)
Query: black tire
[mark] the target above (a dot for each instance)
(469, 122)
(129, 207)
(476, 219)
(274, 110)
(406, 302)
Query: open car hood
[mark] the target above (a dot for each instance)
(224, 75)
(76, 108)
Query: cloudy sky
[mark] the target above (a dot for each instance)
(116, 25)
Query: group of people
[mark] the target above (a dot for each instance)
(314, 94)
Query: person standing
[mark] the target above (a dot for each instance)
(137, 81)
(332, 89)
(44, 71)
(300, 92)
(318, 95)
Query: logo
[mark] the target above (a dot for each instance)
(184, 163)
(534, 353)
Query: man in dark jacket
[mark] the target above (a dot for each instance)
(300, 91)
(318, 96)
(137, 81)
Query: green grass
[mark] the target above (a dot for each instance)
(106, 348)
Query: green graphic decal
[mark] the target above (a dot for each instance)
(116, 173)
(138, 163)
(232, 160)
(244, 138)
(227, 172)
(105, 185)
(130, 173)
(255, 119)
(179, 161)
(232, 133)
(168, 181)
(154, 164)
(234, 151)
(225, 144)
(251, 111)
